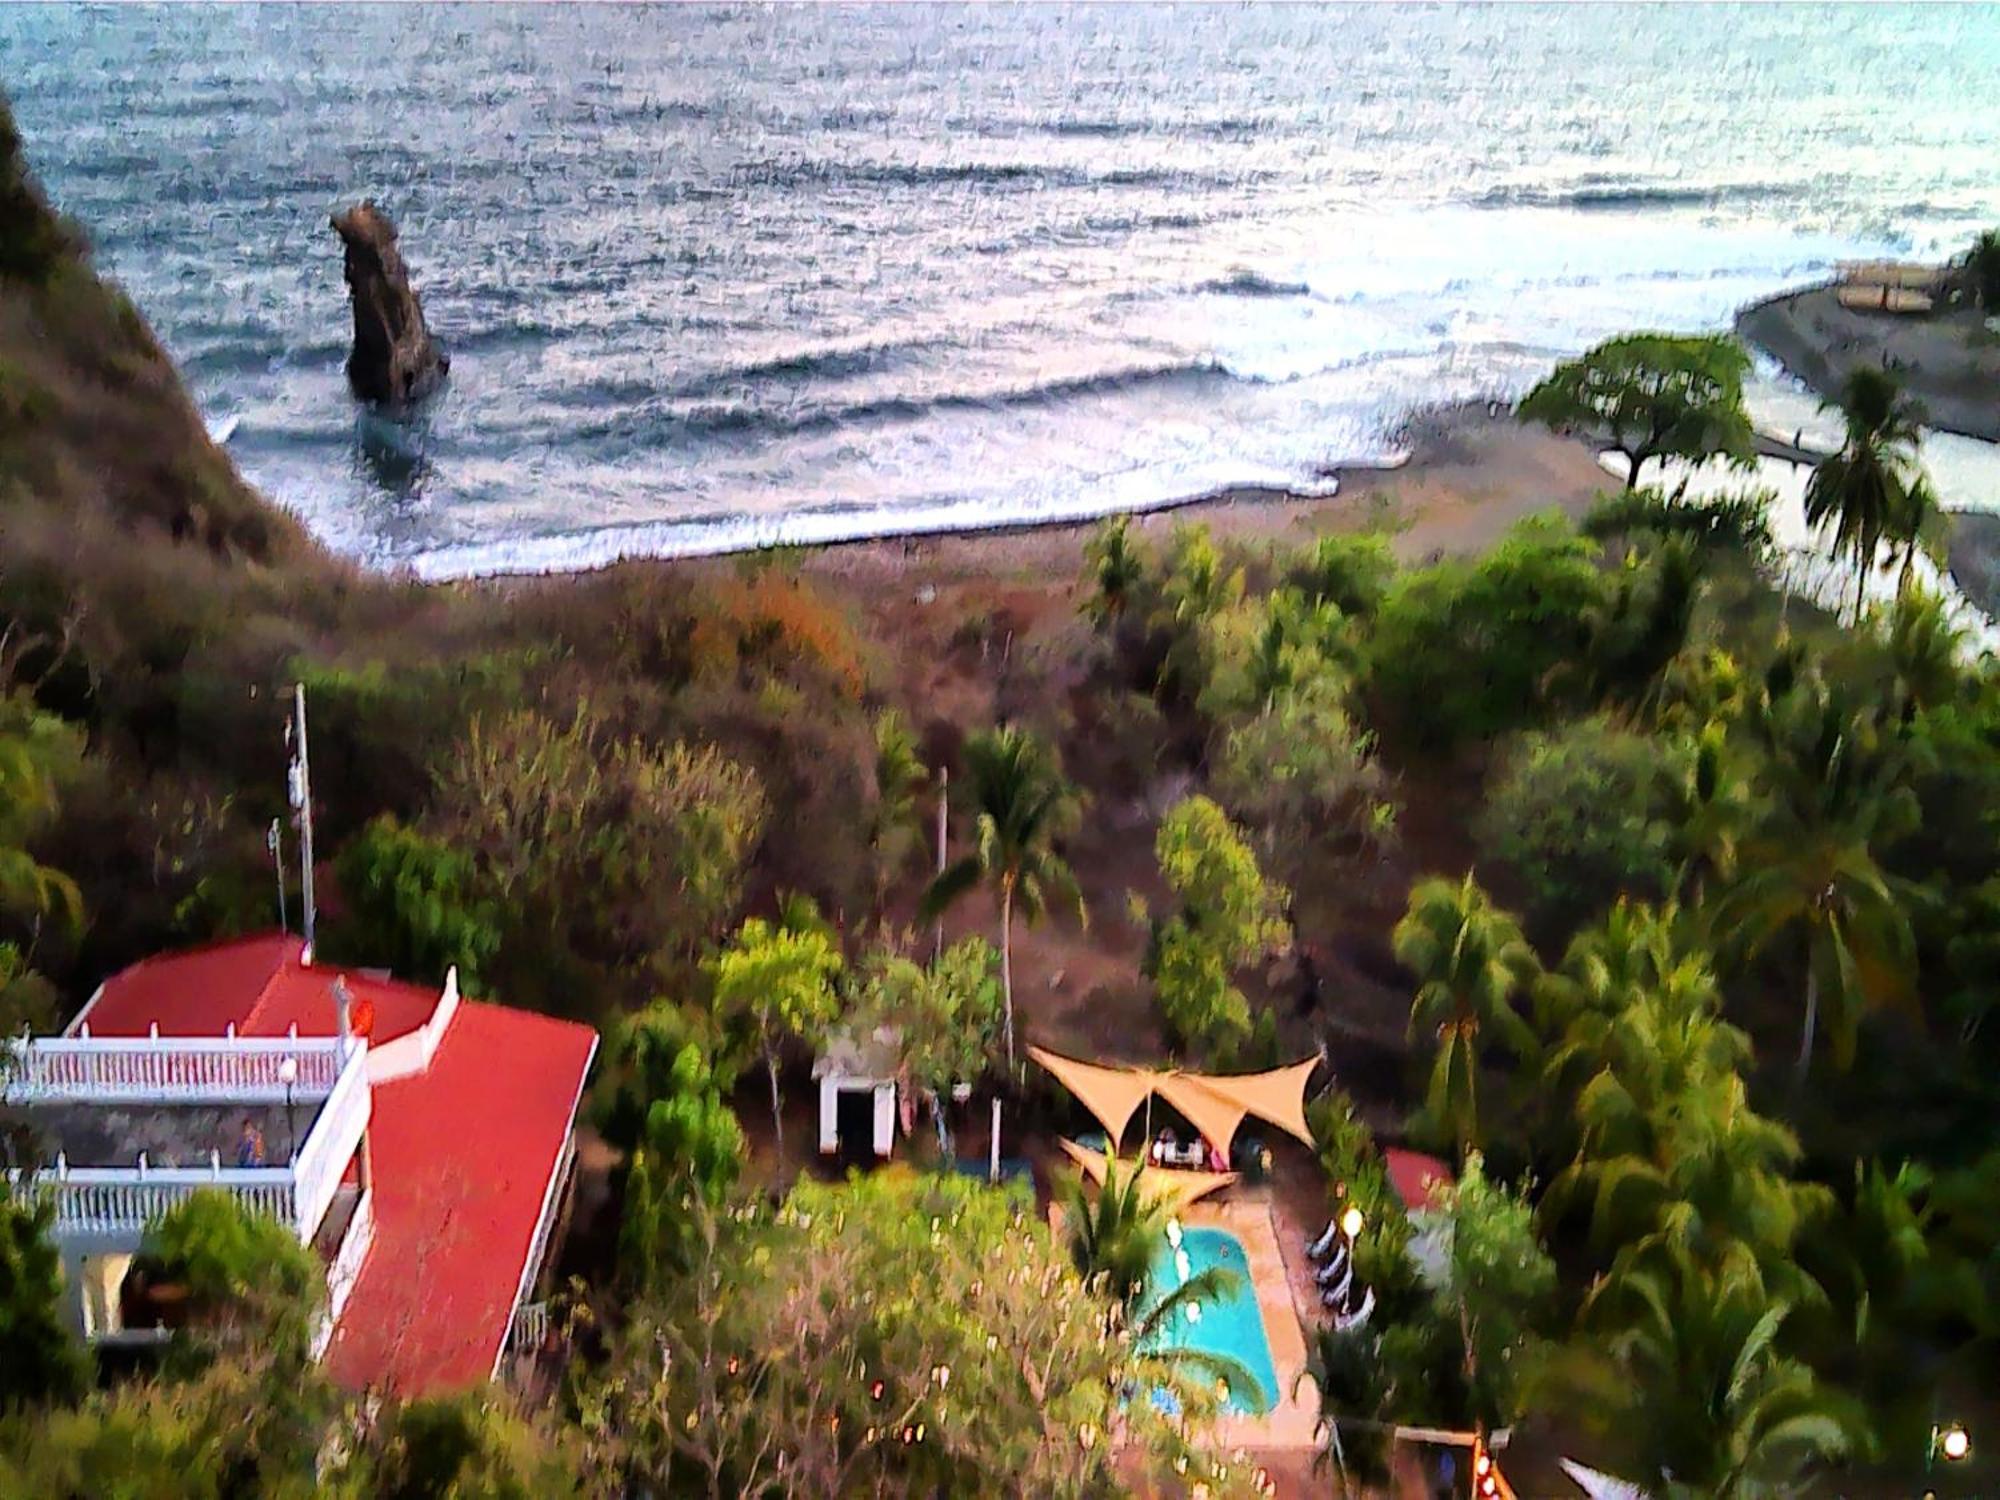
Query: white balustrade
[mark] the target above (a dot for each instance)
(89, 1070)
(122, 1201)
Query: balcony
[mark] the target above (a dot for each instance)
(130, 1127)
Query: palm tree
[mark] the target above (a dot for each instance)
(1022, 807)
(1470, 961)
(1113, 570)
(1924, 644)
(1113, 1241)
(1811, 872)
(1710, 808)
(1918, 525)
(899, 775)
(1347, 1374)
(1698, 1389)
(1861, 490)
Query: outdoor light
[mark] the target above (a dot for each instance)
(1351, 1222)
(288, 1074)
(1953, 1443)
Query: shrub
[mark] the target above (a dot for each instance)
(1739, 522)
(1350, 572)
(414, 904)
(1460, 650)
(1577, 812)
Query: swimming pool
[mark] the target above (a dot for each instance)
(1233, 1326)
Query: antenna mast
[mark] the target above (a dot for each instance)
(299, 785)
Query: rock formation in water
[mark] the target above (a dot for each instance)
(395, 360)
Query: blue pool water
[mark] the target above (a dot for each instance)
(1232, 1326)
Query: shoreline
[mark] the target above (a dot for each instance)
(1947, 359)
(1467, 474)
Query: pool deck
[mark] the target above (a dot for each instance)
(1254, 1216)
(1251, 1216)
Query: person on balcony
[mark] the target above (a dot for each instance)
(250, 1145)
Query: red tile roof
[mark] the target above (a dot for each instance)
(465, 1152)
(1415, 1176)
(465, 1155)
(260, 983)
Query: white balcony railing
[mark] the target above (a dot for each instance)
(119, 1202)
(107, 1070)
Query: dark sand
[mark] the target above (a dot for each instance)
(1949, 359)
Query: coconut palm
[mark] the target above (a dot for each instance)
(1113, 571)
(1925, 647)
(1711, 805)
(1022, 807)
(1810, 872)
(1861, 491)
(1698, 1391)
(1470, 961)
(1918, 525)
(899, 775)
(1671, 1160)
(1114, 1237)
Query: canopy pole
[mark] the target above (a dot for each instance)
(993, 1145)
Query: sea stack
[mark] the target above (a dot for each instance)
(395, 360)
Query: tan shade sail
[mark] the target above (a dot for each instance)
(1277, 1097)
(1214, 1104)
(1176, 1189)
(1112, 1094)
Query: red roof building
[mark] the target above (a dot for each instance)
(1415, 1176)
(427, 1150)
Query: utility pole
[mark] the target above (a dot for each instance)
(274, 840)
(299, 784)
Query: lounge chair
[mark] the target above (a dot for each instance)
(1348, 1322)
(1336, 1295)
(1325, 1274)
(1320, 1248)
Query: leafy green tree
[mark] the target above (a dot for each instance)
(896, 1334)
(44, 1362)
(1652, 396)
(244, 1426)
(1498, 1284)
(250, 1283)
(1229, 916)
(470, 1446)
(1862, 492)
(692, 1153)
(1022, 809)
(644, 1050)
(1261, 650)
(893, 825)
(37, 750)
(1739, 522)
(1634, 632)
(779, 981)
(1578, 812)
(1984, 261)
(1304, 769)
(1694, 1388)
(1463, 650)
(946, 1016)
(632, 848)
(414, 904)
(1470, 962)
(1350, 571)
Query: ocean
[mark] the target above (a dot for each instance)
(715, 277)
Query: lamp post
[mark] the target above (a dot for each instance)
(288, 1075)
(1351, 1224)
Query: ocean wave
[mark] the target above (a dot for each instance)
(787, 172)
(1587, 195)
(728, 418)
(1244, 282)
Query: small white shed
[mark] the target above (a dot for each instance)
(857, 1091)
